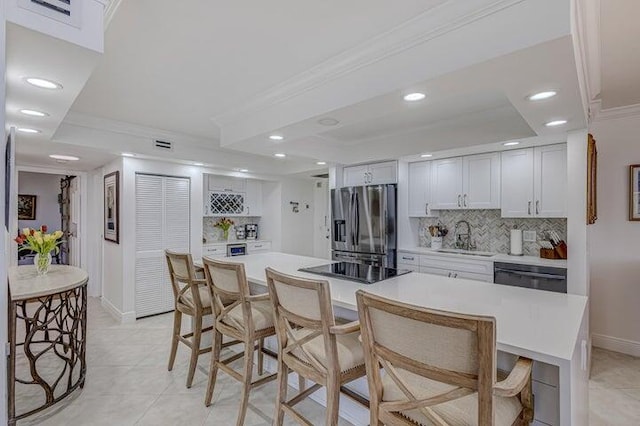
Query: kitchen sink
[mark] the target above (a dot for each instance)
(467, 252)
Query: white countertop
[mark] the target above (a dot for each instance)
(498, 257)
(224, 243)
(538, 324)
(25, 283)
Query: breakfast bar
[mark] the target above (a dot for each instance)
(549, 328)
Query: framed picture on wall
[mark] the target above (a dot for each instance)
(112, 207)
(26, 207)
(634, 192)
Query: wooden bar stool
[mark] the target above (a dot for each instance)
(312, 345)
(244, 317)
(439, 368)
(191, 298)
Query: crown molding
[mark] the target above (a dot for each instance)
(438, 21)
(626, 111)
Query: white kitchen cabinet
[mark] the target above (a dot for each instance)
(446, 184)
(215, 251)
(471, 182)
(371, 174)
(481, 181)
(550, 178)
(254, 247)
(534, 182)
(408, 261)
(253, 198)
(420, 189)
(226, 183)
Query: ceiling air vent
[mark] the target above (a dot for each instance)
(67, 11)
(163, 145)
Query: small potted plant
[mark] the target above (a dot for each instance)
(224, 223)
(38, 241)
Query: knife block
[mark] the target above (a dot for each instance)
(548, 254)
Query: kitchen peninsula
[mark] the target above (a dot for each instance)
(547, 327)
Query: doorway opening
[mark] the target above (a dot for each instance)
(52, 200)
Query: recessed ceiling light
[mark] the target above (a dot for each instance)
(128, 154)
(276, 137)
(511, 143)
(542, 95)
(33, 113)
(42, 83)
(198, 164)
(280, 155)
(321, 163)
(328, 121)
(417, 96)
(426, 155)
(64, 157)
(556, 123)
(244, 170)
(28, 130)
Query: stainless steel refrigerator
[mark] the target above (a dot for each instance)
(364, 225)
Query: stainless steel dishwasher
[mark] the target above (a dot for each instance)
(530, 276)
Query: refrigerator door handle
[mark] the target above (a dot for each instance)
(357, 219)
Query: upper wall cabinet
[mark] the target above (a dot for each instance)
(371, 174)
(230, 196)
(534, 182)
(420, 189)
(471, 182)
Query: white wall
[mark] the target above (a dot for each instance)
(112, 257)
(46, 188)
(615, 249)
(297, 228)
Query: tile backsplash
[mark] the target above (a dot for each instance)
(211, 234)
(490, 231)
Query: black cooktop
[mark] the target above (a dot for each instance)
(366, 274)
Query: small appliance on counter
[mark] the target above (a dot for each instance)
(240, 233)
(236, 249)
(251, 231)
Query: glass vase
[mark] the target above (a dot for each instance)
(225, 234)
(42, 263)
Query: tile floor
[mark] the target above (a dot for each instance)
(128, 384)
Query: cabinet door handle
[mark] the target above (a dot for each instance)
(455, 275)
(449, 275)
(464, 200)
(407, 258)
(537, 206)
(529, 208)
(426, 209)
(370, 177)
(459, 201)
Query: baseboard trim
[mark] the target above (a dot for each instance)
(122, 317)
(616, 344)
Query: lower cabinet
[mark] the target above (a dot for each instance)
(258, 247)
(457, 274)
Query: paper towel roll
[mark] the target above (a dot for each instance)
(516, 242)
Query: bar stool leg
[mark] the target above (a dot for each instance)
(283, 375)
(260, 357)
(333, 400)
(213, 366)
(177, 324)
(195, 348)
(246, 386)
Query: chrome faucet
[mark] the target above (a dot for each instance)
(463, 240)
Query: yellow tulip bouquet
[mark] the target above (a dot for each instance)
(42, 244)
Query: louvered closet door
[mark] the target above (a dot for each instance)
(162, 221)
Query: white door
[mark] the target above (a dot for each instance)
(481, 181)
(73, 239)
(446, 184)
(383, 173)
(355, 175)
(550, 169)
(322, 220)
(419, 189)
(253, 198)
(517, 183)
(162, 222)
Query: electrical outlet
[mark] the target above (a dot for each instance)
(529, 236)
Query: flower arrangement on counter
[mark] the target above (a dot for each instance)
(38, 241)
(224, 223)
